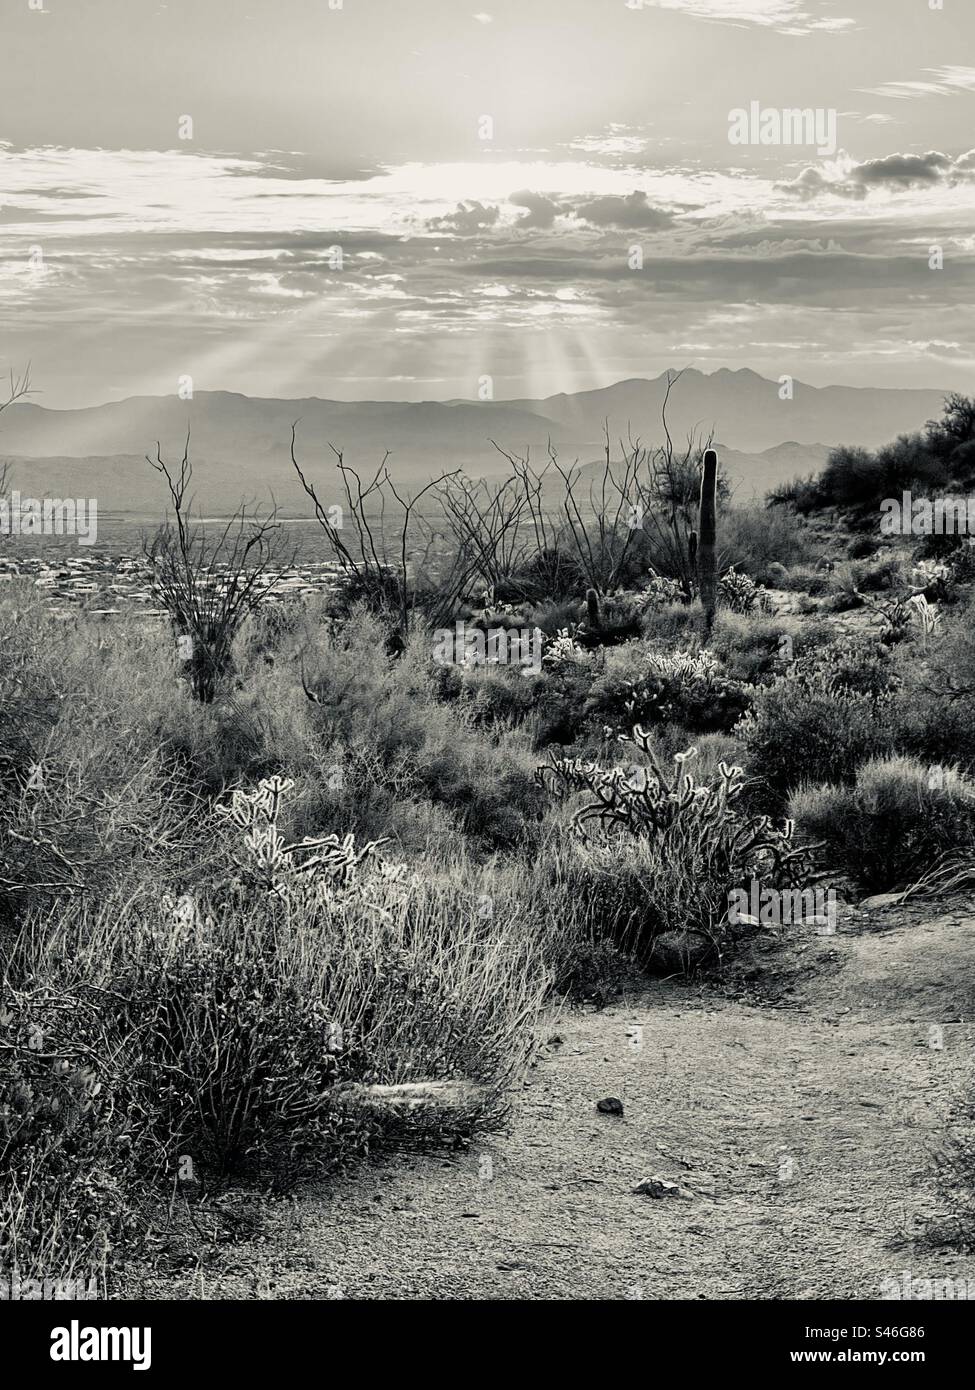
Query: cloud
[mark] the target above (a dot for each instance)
(946, 350)
(631, 210)
(896, 172)
(871, 118)
(716, 280)
(904, 170)
(787, 16)
(295, 167)
(943, 81)
(467, 220)
(180, 257)
(541, 211)
(619, 139)
(625, 210)
(811, 182)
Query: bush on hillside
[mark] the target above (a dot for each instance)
(892, 824)
(647, 687)
(806, 727)
(762, 540)
(855, 481)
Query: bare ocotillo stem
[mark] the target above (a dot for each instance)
(707, 573)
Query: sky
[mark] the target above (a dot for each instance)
(420, 199)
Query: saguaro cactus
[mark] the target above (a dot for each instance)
(690, 574)
(707, 569)
(593, 615)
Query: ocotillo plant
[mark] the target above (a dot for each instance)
(707, 571)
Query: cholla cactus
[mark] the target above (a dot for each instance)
(741, 594)
(648, 802)
(928, 572)
(259, 807)
(563, 650)
(683, 687)
(668, 851)
(660, 590)
(324, 864)
(684, 666)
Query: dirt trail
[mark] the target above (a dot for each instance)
(803, 1124)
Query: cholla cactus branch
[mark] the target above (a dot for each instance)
(648, 802)
(326, 863)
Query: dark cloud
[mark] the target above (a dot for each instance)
(55, 192)
(631, 211)
(304, 247)
(15, 214)
(826, 278)
(541, 211)
(904, 169)
(896, 171)
(811, 182)
(468, 219)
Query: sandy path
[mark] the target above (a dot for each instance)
(804, 1132)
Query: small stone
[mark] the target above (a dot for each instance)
(661, 1187)
(610, 1105)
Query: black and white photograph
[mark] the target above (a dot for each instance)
(487, 671)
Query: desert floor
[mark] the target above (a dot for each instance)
(797, 1102)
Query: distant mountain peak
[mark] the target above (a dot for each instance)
(239, 444)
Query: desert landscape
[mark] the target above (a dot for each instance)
(481, 909)
(487, 768)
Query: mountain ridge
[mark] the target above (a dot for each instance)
(240, 445)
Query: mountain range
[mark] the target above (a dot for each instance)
(239, 445)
